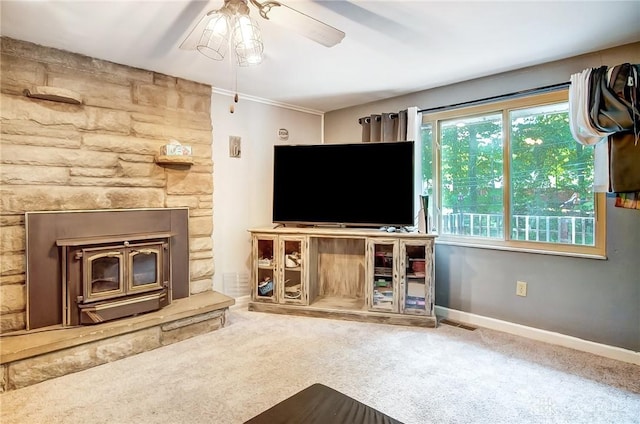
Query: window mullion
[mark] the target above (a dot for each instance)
(437, 180)
(506, 174)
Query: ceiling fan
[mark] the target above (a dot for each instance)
(231, 23)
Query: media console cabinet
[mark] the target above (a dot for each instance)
(355, 274)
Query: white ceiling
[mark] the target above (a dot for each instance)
(391, 47)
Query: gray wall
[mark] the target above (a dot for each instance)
(597, 300)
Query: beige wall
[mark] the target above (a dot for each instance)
(243, 196)
(98, 155)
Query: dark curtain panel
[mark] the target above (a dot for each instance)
(387, 126)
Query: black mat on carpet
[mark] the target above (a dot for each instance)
(319, 404)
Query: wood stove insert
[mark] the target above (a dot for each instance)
(85, 267)
(105, 278)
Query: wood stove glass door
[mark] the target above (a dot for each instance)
(145, 267)
(103, 273)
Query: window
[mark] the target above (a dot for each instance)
(509, 175)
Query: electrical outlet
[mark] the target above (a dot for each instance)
(521, 288)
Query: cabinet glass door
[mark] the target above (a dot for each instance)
(292, 251)
(416, 282)
(264, 272)
(382, 293)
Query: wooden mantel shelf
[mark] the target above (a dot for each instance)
(174, 160)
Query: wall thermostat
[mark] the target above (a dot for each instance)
(283, 134)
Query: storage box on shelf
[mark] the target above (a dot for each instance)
(358, 274)
(175, 153)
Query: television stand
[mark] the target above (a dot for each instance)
(345, 273)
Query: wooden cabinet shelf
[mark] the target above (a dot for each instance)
(359, 274)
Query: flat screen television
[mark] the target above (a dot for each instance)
(360, 184)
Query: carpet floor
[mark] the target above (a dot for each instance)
(415, 375)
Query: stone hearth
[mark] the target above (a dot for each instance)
(30, 358)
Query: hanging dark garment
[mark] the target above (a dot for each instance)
(613, 104)
(613, 108)
(624, 156)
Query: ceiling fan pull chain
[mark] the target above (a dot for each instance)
(234, 69)
(235, 98)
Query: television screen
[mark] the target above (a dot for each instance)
(360, 184)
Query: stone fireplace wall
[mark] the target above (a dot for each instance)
(98, 155)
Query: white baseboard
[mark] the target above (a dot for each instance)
(600, 349)
(241, 302)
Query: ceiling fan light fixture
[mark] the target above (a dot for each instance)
(247, 41)
(271, 10)
(214, 41)
(231, 26)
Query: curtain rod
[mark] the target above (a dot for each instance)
(515, 94)
(377, 117)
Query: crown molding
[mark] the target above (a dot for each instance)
(266, 101)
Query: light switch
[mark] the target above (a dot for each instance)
(234, 146)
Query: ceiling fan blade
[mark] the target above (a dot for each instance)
(192, 39)
(305, 25)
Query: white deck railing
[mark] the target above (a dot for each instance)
(577, 230)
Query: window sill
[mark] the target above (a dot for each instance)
(488, 245)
